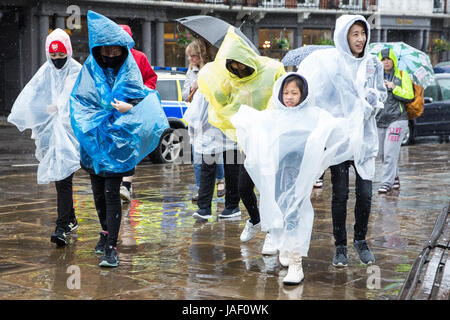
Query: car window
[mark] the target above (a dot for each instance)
(444, 84)
(432, 91)
(167, 89)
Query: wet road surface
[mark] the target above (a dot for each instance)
(165, 254)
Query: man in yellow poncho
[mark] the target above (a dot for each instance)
(238, 76)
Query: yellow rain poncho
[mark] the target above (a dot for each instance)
(226, 92)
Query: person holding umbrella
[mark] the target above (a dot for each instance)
(348, 82)
(392, 121)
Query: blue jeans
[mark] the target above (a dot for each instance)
(220, 173)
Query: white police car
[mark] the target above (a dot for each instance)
(174, 141)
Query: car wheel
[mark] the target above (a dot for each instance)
(170, 148)
(408, 138)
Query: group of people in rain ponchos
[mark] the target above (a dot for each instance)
(99, 116)
(290, 126)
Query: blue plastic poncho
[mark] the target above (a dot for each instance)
(287, 149)
(111, 142)
(43, 107)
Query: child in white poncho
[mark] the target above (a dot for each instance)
(287, 149)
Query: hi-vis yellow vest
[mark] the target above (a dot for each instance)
(226, 92)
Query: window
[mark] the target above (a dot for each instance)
(444, 84)
(316, 36)
(275, 43)
(167, 89)
(432, 92)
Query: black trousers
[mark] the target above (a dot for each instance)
(106, 192)
(238, 184)
(64, 199)
(340, 182)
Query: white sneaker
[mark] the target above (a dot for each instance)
(250, 231)
(284, 258)
(269, 247)
(125, 194)
(295, 273)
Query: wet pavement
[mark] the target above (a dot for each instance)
(166, 255)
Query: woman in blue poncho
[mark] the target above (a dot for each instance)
(117, 120)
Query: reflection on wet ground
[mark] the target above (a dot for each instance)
(165, 254)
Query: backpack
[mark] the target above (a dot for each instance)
(415, 107)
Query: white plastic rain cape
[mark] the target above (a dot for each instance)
(205, 138)
(112, 142)
(226, 92)
(349, 87)
(43, 107)
(286, 150)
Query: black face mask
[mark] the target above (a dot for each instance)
(60, 62)
(112, 62)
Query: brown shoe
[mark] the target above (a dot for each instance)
(195, 197)
(221, 188)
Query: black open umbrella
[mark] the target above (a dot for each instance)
(211, 29)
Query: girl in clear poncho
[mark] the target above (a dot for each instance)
(287, 148)
(117, 120)
(43, 107)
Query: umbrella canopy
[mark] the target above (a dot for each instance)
(294, 57)
(211, 29)
(415, 62)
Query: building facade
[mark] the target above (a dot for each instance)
(274, 26)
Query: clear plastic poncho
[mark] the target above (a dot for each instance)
(349, 87)
(205, 138)
(226, 92)
(287, 149)
(43, 107)
(112, 142)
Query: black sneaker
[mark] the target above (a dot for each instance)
(59, 237)
(340, 256)
(230, 213)
(100, 247)
(396, 184)
(202, 214)
(110, 257)
(365, 255)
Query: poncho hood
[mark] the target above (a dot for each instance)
(277, 93)
(226, 92)
(343, 25)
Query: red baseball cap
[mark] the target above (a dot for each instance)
(57, 46)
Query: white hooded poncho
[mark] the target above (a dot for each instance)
(56, 145)
(287, 149)
(349, 87)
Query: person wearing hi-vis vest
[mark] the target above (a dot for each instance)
(392, 121)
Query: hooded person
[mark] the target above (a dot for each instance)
(287, 148)
(117, 120)
(226, 87)
(148, 74)
(237, 76)
(392, 121)
(149, 78)
(348, 82)
(43, 107)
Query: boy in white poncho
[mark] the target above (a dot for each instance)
(348, 82)
(43, 107)
(287, 148)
